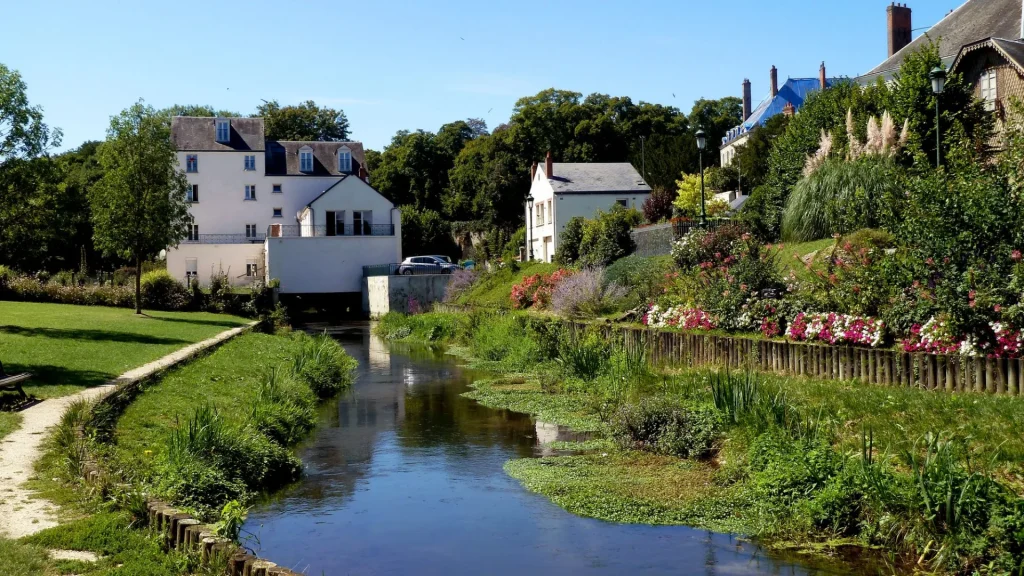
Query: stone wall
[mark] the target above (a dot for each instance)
(383, 294)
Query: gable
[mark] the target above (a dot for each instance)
(351, 193)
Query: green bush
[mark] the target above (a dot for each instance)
(323, 365)
(663, 426)
(570, 242)
(645, 277)
(785, 470)
(161, 290)
(503, 338)
(282, 408)
(6, 275)
(583, 355)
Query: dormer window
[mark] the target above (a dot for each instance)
(305, 159)
(988, 85)
(344, 160)
(223, 130)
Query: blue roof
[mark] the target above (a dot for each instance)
(794, 92)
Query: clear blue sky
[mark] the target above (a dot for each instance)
(395, 65)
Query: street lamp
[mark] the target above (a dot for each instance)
(938, 77)
(702, 142)
(529, 218)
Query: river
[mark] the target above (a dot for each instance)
(404, 476)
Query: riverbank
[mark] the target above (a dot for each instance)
(208, 436)
(928, 479)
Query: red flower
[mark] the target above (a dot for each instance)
(1016, 255)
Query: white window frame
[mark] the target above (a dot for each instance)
(250, 231)
(365, 219)
(192, 197)
(278, 213)
(250, 192)
(250, 162)
(223, 130)
(550, 213)
(252, 268)
(344, 159)
(191, 163)
(989, 85)
(191, 269)
(193, 233)
(306, 159)
(276, 189)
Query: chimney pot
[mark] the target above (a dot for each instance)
(898, 27)
(533, 171)
(746, 99)
(549, 169)
(775, 81)
(363, 174)
(789, 109)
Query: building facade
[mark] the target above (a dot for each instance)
(564, 190)
(245, 191)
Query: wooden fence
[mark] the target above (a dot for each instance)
(952, 373)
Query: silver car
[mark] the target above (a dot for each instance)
(426, 265)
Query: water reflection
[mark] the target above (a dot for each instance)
(405, 476)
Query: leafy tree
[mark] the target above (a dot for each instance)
(569, 241)
(687, 202)
(305, 121)
(606, 237)
(658, 205)
(23, 134)
(138, 206)
(751, 160)
(488, 183)
(721, 179)
(715, 117)
(425, 231)
(372, 158)
(201, 110)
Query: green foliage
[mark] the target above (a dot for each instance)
(413, 170)
(606, 237)
(721, 179)
(138, 206)
(282, 408)
(161, 290)
(427, 232)
(305, 121)
(232, 517)
(663, 426)
(323, 365)
(583, 355)
(570, 241)
(843, 196)
(751, 160)
(658, 206)
(688, 196)
(644, 277)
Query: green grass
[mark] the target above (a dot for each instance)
(789, 263)
(493, 289)
(227, 379)
(69, 348)
(9, 422)
(521, 395)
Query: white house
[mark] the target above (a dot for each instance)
(260, 209)
(563, 190)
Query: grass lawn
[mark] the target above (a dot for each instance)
(69, 348)
(494, 289)
(9, 422)
(226, 378)
(789, 263)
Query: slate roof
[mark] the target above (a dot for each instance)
(282, 157)
(794, 92)
(1012, 50)
(972, 21)
(595, 178)
(192, 133)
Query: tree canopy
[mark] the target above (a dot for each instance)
(305, 121)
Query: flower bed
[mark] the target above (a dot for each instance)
(835, 328)
(679, 317)
(936, 337)
(536, 290)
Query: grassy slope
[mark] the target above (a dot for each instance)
(70, 348)
(226, 378)
(493, 290)
(790, 263)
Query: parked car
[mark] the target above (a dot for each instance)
(427, 265)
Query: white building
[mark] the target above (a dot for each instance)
(563, 190)
(300, 212)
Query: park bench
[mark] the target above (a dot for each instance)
(12, 383)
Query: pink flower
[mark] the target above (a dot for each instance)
(1016, 255)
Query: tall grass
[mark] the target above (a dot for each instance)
(282, 408)
(69, 442)
(323, 365)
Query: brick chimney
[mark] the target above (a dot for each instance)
(363, 175)
(899, 26)
(549, 169)
(746, 99)
(775, 81)
(789, 109)
(533, 171)
(821, 76)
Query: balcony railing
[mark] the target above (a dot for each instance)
(305, 231)
(225, 239)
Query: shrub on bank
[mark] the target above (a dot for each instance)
(663, 426)
(160, 289)
(586, 294)
(323, 365)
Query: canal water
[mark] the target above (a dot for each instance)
(404, 476)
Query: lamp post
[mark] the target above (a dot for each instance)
(938, 77)
(702, 142)
(529, 218)
(643, 159)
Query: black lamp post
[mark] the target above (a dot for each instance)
(702, 142)
(529, 217)
(938, 77)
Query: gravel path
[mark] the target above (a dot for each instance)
(21, 513)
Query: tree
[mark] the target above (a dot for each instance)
(23, 134)
(138, 206)
(751, 159)
(687, 201)
(201, 110)
(716, 117)
(426, 232)
(658, 205)
(306, 121)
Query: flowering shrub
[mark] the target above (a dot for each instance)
(679, 317)
(535, 290)
(460, 281)
(585, 294)
(835, 328)
(937, 337)
(764, 315)
(699, 246)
